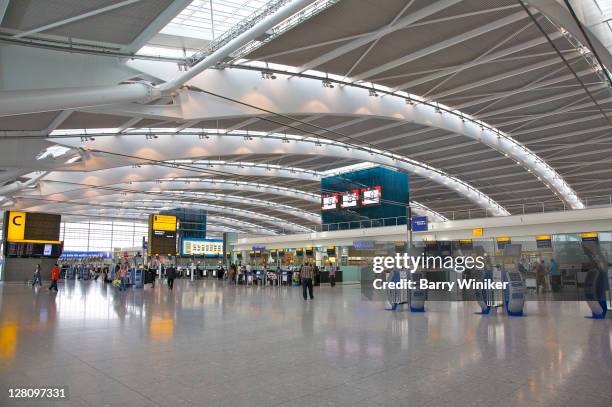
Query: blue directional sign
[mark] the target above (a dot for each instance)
(419, 224)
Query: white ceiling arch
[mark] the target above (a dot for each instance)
(110, 202)
(186, 185)
(168, 147)
(245, 94)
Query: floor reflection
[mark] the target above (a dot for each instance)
(91, 336)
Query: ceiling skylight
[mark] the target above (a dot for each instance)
(209, 19)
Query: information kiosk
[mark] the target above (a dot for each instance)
(484, 296)
(514, 293)
(417, 296)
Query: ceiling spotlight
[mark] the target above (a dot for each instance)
(373, 93)
(268, 75)
(409, 101)
(286, 141)
(151, 137)
(248, 138)
(203, 137)
(327, 84)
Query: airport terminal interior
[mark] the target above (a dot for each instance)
(305, 203)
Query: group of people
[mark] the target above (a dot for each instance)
(307, 273)
(548, 276)
(55, 276)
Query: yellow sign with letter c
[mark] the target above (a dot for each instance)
(16, 226)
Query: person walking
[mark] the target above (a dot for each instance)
(332, 276)
(54, 277)
(539, 270)
(307, 273)
(555, 275)
(171, 275)
(36, 277)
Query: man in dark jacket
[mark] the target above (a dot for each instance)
(171, 275)
(307, 273)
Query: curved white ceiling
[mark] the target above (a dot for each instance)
(290, 95)
(182, 146)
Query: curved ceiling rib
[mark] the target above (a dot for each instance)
(292, 93)
(97, 210)
(157, 205)
(185, 188)
(167, 147)
(190, 197)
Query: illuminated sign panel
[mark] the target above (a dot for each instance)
(201, 247)
(543, 241)
(502, 242)
(477, 232)
(589, 237)
(16, 226)
(164, 222)
(350, 199)
(371, 196)
(329, 202)
(162, 235)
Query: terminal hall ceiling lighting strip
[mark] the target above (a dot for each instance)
(174, 188)
(280, 224)
(285, 144)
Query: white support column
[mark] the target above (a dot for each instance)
(254, 32)
(75, 18)
(45, 100)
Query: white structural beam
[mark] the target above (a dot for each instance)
(442, 45)
(173, 9)
(58, 182)
(500, 77)
(157, 205)
(181, 198)
(45, 100)
(64, 114)
(235, 44)
(187, 125)
(3, 7)
(531, 88)
(171, 147)
(75, 18)
(84, 191)
(484, 60)
(359, 42)
(540, 101)
(184, 184)
(299, 94)
(129, 123)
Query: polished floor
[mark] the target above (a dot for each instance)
(209, 344)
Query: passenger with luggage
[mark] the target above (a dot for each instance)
(36, 277)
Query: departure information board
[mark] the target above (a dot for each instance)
(29, 234)
(162, 235)
(33, 250)
(32, 227)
